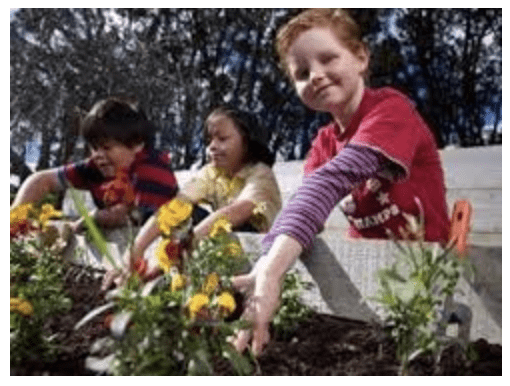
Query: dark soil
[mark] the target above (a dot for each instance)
(83, 285)
(323, 345)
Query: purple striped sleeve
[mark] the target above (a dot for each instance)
(308, 209)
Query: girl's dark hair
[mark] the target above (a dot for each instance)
(117, 118)
(254, 134)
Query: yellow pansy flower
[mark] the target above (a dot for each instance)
(211, 282)
(234, 249)
(196, 303)
(21, 212)
(221, 226)
(21, 306)
(226, 302)
(47, 212)
(167, 254)
(172, 214)
(178, 282)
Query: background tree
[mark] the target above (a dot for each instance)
(179, 63)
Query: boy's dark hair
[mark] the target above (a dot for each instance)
(119, 119)
(253, 133)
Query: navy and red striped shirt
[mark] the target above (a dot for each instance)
(151, 177)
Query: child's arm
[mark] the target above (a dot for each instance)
(237, 213)
(36, 186)
(197, 188)
(308, 209)
(263, 284)
(295, 229)
(113, 216)
(147, 234)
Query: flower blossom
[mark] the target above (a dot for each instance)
(178, 282)
(226, 302)
(172, 214)
(234, 249)
(197, 303)
(47, 212)
(221, 226)
(211, 282)
(167, 254)
(21, 306)
(20, 222)
(21, 212)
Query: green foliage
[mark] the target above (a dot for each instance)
(162, 340)
(292, 311)
(412, 292)
(165, 336)
(213, 255)
(36, 275)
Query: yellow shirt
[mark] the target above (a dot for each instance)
(255, 182)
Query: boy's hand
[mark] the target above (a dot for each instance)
(115, 276)
(263, 294)
(77, 226)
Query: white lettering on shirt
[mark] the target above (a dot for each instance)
(375, 219)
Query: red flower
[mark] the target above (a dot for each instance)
(168, 254)
(21, 227)
(173, 251)
(118, 190)
(140, 267)
(107, 321)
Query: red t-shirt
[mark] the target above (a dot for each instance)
(387, 122)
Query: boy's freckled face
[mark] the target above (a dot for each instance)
(111, 156)
(326, 74)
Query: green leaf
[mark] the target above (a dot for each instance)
(242, 365)
(94, 231)
(390, 274)
(199, 364)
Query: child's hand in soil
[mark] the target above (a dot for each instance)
(115, 276)
(262, 287)
(262, 299)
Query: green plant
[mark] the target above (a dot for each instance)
(182, 326)
(180, 323)
(292, 311)
(412, 292)
(37, 293)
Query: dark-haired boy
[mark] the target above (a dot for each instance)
(124, 173)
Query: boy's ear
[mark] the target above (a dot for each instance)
(363, 54)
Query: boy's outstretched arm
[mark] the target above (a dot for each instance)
(263, 286)
(294, 230)
(36, 186)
